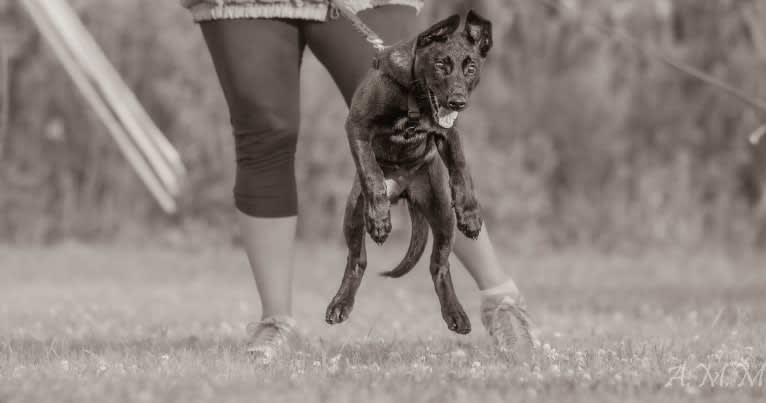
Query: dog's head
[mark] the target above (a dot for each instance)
(447, 63)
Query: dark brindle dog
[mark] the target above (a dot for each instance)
(401, 116)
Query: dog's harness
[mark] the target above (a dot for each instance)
(410, 166)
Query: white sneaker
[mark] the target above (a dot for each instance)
(508, 323)
(271, 338)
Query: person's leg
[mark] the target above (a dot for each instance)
(347, 56)
(258, 64)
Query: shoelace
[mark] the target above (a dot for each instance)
(518, 309)
(270, 331)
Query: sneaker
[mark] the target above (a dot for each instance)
(508, 323)
(271, 338)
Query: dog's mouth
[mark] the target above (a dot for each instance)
(444, 117)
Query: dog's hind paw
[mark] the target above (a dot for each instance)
(470, 223)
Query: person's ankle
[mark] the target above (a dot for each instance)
(506, 288)
(266, 314)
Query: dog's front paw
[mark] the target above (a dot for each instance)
(456, 319)
(469, 222)
(379, 222)
(338, 310)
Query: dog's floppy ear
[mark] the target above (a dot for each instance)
(478, 30)
(439, 32)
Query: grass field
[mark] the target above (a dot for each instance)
(95, 323)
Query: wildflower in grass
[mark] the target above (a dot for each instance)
(458, 354)
(555, 370)
(550, 352)
(646, 365)
(579, 359)
(333, 364)
(119, 369)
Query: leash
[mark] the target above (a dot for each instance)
(345, 9)
(756, 103)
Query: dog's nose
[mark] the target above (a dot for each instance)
(457, 103)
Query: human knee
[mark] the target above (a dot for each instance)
(265, 181)
(264, 142)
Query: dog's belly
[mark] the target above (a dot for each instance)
(402, 161)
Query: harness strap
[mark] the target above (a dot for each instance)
(409, 167)
(413, 111)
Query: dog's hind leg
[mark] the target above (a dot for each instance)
(433, 197)
(353, 230)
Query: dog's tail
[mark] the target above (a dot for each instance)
(417, 244)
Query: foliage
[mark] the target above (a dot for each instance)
(573, 137)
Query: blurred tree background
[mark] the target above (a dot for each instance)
(573, 138)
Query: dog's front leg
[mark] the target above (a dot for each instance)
(466, 205)
(377, 205)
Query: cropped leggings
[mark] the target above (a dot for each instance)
(258, 65)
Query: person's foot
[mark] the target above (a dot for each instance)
(506, 319)
(271, 338)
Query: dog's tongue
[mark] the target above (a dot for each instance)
(446, 117)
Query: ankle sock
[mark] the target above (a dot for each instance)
(507, 288)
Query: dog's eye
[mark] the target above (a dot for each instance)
(470, 70)
(440, 66)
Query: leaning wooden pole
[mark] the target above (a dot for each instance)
(154, 159)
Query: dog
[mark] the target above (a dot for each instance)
(404, 144)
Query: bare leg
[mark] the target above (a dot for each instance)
(480, 259)
(258, 65)
(270, 247)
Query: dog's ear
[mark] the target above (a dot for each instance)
(478, 30)
(439, 32)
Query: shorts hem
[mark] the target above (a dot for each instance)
(266, 210)
(312, 12)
